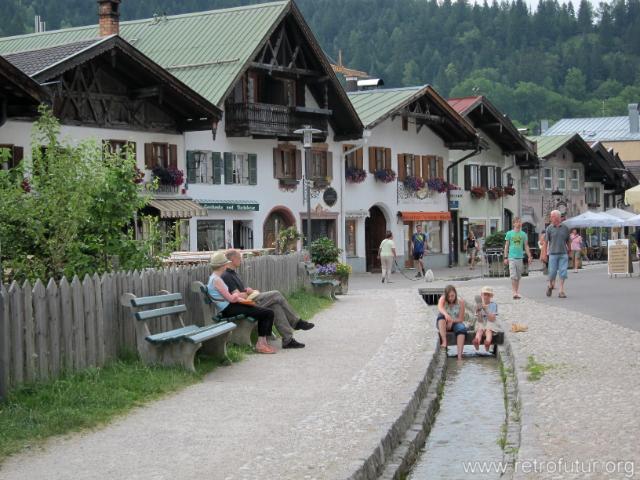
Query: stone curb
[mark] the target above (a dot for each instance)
(399, 447)
(513, 408)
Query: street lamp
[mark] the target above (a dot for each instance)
(307, 141)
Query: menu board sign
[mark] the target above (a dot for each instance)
(619, 258)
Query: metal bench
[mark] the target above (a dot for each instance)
(179, 345)
(322, 287)
(245, 325)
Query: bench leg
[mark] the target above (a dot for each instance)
(172, 354)
(327, 291)
(242, 334)
(217, 348)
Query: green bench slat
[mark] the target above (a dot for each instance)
(160, 312)
(335, 283)
(210, 331)
(218, 318)
(144, 301)
(172, 335)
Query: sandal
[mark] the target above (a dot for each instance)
(549, 289)
(562, 295)
(264, 349)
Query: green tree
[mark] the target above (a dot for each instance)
(575, 84)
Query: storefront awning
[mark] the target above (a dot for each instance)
(428, 216)
(232, 205)
(177, 208)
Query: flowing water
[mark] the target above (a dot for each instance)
(469, 423)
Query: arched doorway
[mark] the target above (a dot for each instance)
(375, 228)
(508, 220)
(278, 219)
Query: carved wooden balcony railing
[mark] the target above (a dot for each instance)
(263, 119)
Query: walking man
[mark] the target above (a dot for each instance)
(285, 318)
(515, 246)
(419, 245)
(558, 246)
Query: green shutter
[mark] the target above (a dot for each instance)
(253, 169)
(191, 167)
(217, 168)
(228, 168)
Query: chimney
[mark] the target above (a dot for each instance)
(634, 120)
(352, 84)
(544, 126)
(109, 17)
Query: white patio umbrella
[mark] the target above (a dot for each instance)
(632, 197)
(632, 222)
(593, 219)
(619, 213)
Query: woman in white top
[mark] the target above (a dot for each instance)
(387, 254)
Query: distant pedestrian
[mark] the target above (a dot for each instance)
(515, 245)
(558, 246)
(387, 255)
(472, 249)
(576, 248)
(419, 246)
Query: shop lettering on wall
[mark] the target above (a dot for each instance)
(246, 207)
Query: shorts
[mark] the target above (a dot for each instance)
(457, 328)
(576, 254)
(558, 264)
(418, 255)
(516, 267)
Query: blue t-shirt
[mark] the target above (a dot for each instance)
(217, 297)
(419, 240)
(517, 241)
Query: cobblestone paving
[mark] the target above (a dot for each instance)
(586, 407)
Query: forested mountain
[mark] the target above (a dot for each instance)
(548, 63)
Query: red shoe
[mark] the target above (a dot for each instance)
(265, 349)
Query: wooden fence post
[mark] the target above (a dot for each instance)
(5, 352)
(42, 333)
(55, 353)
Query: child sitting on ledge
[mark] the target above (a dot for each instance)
(487, 323)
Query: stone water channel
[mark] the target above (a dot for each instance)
(469, 424)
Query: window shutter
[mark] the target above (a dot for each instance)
(18, 155)
(359, 159)
(329, 160)
(372, 159)
(300, 93)
(467, 177)
(148, 156)
(277, 161)
(173, 156)
(217, 168)
(440, 167)
(253, 169)
(228, 168)
(426, 175)
(387, 158)
(416, 166)
(484, 176)
(298, 164)
(402, 170)
(499, 177)
(191, 167)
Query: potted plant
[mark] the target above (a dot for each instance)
(478, 192)
(385, 175)
(494, 193)
(343, 270)
(413, 184)
(325, 255)
(438, 185)
(355, 175)
(168, 177)
(287, 240)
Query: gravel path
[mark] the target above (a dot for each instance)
(310, 413)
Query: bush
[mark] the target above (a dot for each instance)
(495, 241)
(324, 251)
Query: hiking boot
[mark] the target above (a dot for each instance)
(293, 343)
(418, 275)
(304, 325)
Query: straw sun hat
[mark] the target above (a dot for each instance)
(488, 290)
(219, 259)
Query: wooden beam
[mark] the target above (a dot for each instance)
(147, 92)
(293, 71)
(427, 117)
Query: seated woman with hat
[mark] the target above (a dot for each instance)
(232, 304)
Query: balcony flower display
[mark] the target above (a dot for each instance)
(495, 193)
(355, 175)
(509, 190)
(138, 176)
(385, 175)
(413, 183)
(438, 185)
(453, 186)
(478, 192)
(170, 176)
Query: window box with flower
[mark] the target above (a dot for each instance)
(355, 175)
(478, 192)
(169, 178)
(438, 185)
(413, 184)
(385, 175)
(494, 193)
(509, 190)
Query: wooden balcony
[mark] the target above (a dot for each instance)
(272, 121)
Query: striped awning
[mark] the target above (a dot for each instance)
(177, 208)
(427, 216)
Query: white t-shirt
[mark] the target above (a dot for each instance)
(386, 247)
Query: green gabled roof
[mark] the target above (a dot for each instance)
(205, 50)
(548, 144)
(373, 106)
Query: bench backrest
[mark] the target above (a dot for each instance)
(209, 307)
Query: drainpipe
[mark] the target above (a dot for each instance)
(472, 154)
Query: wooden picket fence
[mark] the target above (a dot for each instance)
(70, 326)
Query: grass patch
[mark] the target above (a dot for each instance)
(536, 370)
(33, 413)
(307, 304)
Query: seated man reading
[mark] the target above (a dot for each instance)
(286, 319)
